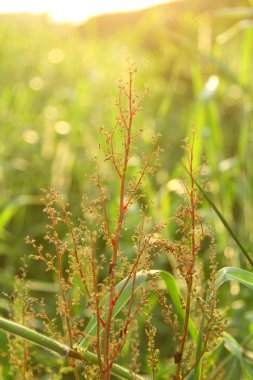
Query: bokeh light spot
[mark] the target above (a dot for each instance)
(50, 112)
(55, 56)
(36, 83)
(62, 127)
(30, 136)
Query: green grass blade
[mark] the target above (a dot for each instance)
(33, 336)
(10, 209)
(174, 293)
(223, 220)
(225, 223)
(247, 371)
(141, 278)
(42, 286)
(123, 299)
(232, 346)
(223, 275)
(234, 274)
(236, 350)
(59, 348)
(187, 44)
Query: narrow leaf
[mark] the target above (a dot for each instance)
(223, 275)
(59, 348)
(234, 274)
(225, 223)
(223, 220)
(141, 278)
(232, 345)
(25, 332)
(174, 293)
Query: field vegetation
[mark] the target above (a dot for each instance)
(161, 146)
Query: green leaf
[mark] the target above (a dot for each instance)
(187, 44)
(59, 348)
(236, 350)
(33, 336)
(232, 345)
(175, 295)
(234, 274)
(10, 210)
(123, 299)
(223, 220)
(223, 275)
(247, 371)
(141, 278)
(41, 286)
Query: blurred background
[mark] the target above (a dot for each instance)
(57, 81)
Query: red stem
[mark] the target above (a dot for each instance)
(189, 278)
(115, 246)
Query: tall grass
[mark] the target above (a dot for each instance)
(199, 68)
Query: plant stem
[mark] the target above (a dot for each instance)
(189, 278)
(60, 348)
(64, 298)
(118, 231)
(95, 286)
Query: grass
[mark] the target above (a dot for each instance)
(43, 84)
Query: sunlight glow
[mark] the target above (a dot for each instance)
(74, 11)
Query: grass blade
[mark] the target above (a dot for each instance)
(141, 278)
(225, 223)
(59, 348)
(222, 219)
(33, 336)
(234, 274)
(223, 275)
(174, 293)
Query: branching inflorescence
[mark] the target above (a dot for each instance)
(98, 276)
(76, 251)
(192, 233)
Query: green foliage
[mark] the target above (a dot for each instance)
(172, 289)
(224, 274)
(54, 82)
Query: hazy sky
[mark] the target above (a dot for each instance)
(74, 10)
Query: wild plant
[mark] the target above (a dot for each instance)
(21, 311)
(199, 302)
(101, 260)
(76, 257)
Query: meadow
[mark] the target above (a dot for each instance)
(58, 89)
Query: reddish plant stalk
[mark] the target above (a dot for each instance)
(106, 224)
(123, 335)
(115, 245)
(81, 274)
(189, 279)
(199, 358)
(82, 277)
(25, 349)
(97, 300)
(134, 268)
(65, 303)
(134, 276)
(136, 187)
